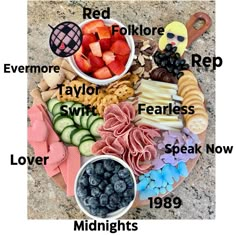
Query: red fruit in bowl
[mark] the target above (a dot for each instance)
(83, 63)
(116, 67)
(108, 57)
(120, 47)
(87, 39)
(91, 27)
(96, 49)
(105, 44)
(102, 73)
(103, 32)
(122, 58)
(96, 62)
(116, 35)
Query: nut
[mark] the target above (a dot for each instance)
(138, 71)
(144, 47)
(141, 59)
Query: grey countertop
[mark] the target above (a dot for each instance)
(45, 199)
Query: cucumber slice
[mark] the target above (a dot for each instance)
(77, 116)
(77, 135)
(65, 135)
(83, 120)
(87, 137)
(95, 126)
(85, 147)
(55, 117)
(57, 108)
(91, 119)
(76, 109)
(51, 103)
(61, 123)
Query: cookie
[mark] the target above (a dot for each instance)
(184, 84)
(196, 92)
(187, 89)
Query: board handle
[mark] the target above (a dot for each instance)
(193, 33)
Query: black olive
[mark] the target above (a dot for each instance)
(164, 63)
(180, 74)
(174, 49)
(177, 62)
(179, 67)
(177, 55)
(182, 61)
(171, 60)
(157, 53)
(168, 54)
(185, 67)
(161, 56)
(157, 60)
(168, 47)
(170, 68)
(176, 71)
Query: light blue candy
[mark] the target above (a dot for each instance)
(154, 175)
(175, 173)
(158, 182)
(182, 168)
(169, 187)
(162, 190)
(147, 174)
(156, 190)
(143, 184)
(141, 177)
(164, 183)
(152, 184)
(143, 195)
(167, 175)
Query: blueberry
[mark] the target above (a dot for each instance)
(103, 199)
(86, 201)
(120, 186)
(95, 192)
(168, 54)
(117, 168)
(182, 61)
(111, 207)
(109, 189)
(125, 201)
(90, 169)
(177, 62)
(109, 165)
(93, 202)
(99, 169)
(103, 185)
(177, 55)
(83, 180)
(94, 211)
(114, 178)
(107, 175)
(164, 63)
(180, 74)
(129, 193)
(95, 180)
(176, 71)
(123, 173)
(129, 182)
(81, 192)
(102, 212)
(185, 67)
(174, 49)
(114, 199)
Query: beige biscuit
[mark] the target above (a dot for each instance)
(187, 89)
(187, 78)
(197, 123)
(124, 92)
(191, 97)
(197, 111)
(185, 84)
(196, 92)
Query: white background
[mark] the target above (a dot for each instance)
(13, 100)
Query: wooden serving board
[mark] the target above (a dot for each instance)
(193, 34)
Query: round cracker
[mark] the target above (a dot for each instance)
(197, 123)
(190, 97)
(196, 92)
(188, 78)
(184, 84)
(197, 111)
(188, 88)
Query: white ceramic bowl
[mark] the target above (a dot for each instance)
(130, 41)
(113, 215)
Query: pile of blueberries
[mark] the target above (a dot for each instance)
(104, 187)
(171, 60)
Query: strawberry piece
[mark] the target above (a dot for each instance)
(122, 58)
(120, 47)
(108, 57)
(91, 27)
(96, 62)
(104, 32)
(87, 39)
(96, 49)
(102, 73)
(116, 67)
(82, 63)
(116, 35)
(105, 44)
